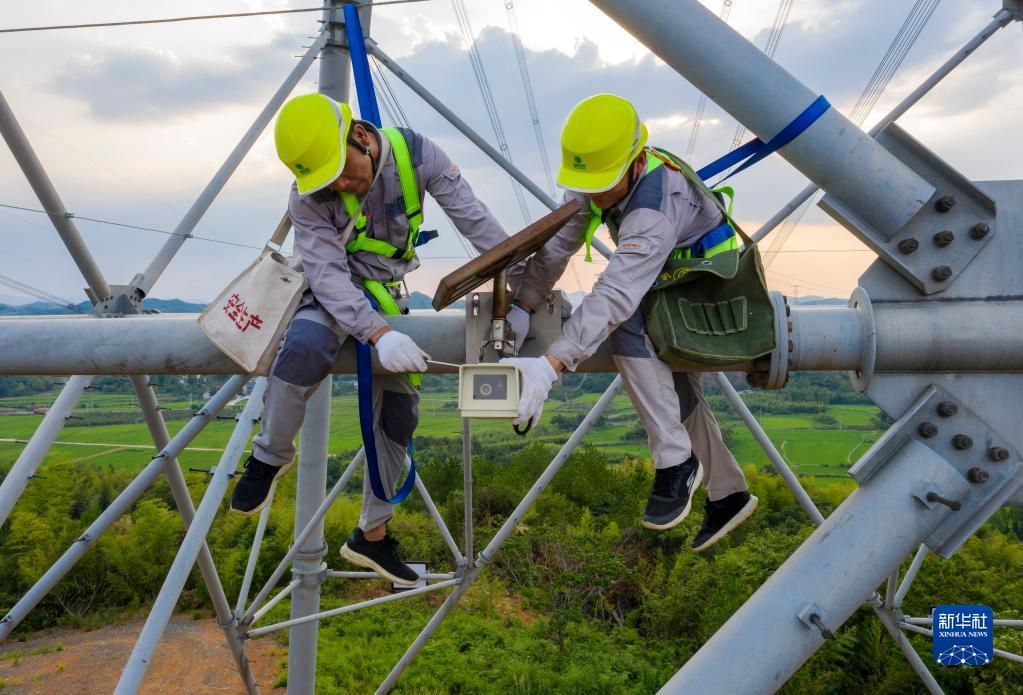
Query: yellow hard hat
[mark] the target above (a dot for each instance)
(310, 135)
(601, 137)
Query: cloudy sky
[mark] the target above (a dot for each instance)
(132, 122)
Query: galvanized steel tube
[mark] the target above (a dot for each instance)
(309, 568)
(183, 501)
(1000, 20)
(144, 281)
(26, 157)
(764, 97)
(878, 525)
(121, 505)
(507, 528)
(170, 592)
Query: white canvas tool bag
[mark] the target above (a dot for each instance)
(248, 319)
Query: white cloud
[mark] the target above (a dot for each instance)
(672, 122)
(151, 112)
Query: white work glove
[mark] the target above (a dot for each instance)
(399, 353)
(537, 378)
(518, 319)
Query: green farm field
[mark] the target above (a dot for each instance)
(810, 447)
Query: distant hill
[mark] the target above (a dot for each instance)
(418, 300)
(164, 306)
(174, 306)
(812, 300)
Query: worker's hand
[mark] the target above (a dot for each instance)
(518, 319)
(399, 353)
(537, 378)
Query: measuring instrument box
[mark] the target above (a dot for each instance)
(488, 390)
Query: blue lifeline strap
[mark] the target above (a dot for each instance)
(756, 149)
(360, 68)
(363, 356)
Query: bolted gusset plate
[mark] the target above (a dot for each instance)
(544, 327)
(944, 236)
(991, 467)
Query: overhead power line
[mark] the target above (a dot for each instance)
(36, 293)
(534, 113)
(701, 105)
(483, 83)
(190, 18)
(133, 226)
(388, 99)
(394, 111)
(781, 18)
(918, 17)
(527, 87)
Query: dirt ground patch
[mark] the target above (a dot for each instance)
(191, 658)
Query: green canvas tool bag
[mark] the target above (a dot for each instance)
(710, 312)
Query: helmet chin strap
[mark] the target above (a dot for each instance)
(364, 149)
(633, 176)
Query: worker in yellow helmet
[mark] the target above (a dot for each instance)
(356, 208)
(651, 211)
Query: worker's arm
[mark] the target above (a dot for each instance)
(326, 266)
(548, 264)
(645, 239)
(471, 217)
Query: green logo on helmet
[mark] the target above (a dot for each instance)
(577, 162)
(302, 169)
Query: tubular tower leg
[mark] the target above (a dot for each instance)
(832, 152)
(309, 568)
(467, 486)
(183, 501)
(120, 506)
(487, 554)
(1001, 19)
(878, 524)
(156, 623)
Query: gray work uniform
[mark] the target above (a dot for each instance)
(662, 213)
(335, 307)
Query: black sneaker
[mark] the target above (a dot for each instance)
(722, 516)
(254, 487)
(380, 556)
(672, 494)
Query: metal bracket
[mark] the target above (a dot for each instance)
(814, 617)
(772, 371)
(123, 300)
(1014, 7)
(544, 328)
(945, 234)
(990, 467)
(778, 375)
(311, 578)
(860, 301)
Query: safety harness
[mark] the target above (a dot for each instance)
(741, 158)
(383, 297)
(717, 240)
(410, 196)
(383, 294)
